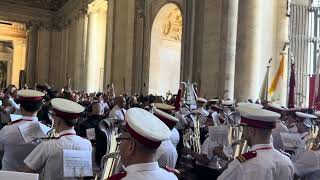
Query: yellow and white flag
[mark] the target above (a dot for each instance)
(278, 78)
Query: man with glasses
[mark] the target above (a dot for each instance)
(138, 143)
(48, 155)
(263, 162)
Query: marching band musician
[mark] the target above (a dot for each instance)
(207, 163)
(263, 162)
(167, 154)
(169, 111)
(48, 155)
(200, 109)
(280, 126)
(138, 143)
(307, 165)
(303, 125)
(13, 146)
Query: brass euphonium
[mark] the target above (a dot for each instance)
(313, 143)
(110, 162)
(191, 138)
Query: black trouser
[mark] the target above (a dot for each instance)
(205, 173)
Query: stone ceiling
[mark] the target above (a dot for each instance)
(52, 5)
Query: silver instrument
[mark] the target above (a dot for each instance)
(111, 161)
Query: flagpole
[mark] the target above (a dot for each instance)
(267, 81)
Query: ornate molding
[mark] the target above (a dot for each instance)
(140, 8)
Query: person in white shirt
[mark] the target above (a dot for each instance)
(303, 125)
(307, 166)
(47, 157)
(200, 110)
(118, 110)
(13, 147)
(209, 162)
(138, 143)
(263, 162)
(166, 154)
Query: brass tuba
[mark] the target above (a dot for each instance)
(191, 138)
(110, 162)
(313, 143)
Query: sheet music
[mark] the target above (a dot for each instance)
(18, 175)
(30, 131)
(14, 117)
(91, 134)
(219, 134)
(77, 163)
(291, 140)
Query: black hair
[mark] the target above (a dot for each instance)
(31, 106)
(70, 122)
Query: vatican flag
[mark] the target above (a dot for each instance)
(279, 76)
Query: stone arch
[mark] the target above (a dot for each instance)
(165, 50)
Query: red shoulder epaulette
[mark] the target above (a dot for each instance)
(118, 176)
(246, 156)
(173, 170)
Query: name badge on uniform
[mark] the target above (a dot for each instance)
(30, 131)
(219, 134)
(91, 134)
(77, 163)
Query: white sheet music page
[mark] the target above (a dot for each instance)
(15, 117)
(77, 163)
(219, 134)
(18, 175)
(91, 134)
(291, 140)
(30, 131)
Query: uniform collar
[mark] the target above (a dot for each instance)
(261, 146)
(69, 131)
(142, 167)
(30, 118)
(303, 135)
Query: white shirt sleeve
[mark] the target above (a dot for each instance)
(306, 163)
(233, 172)
(37, 158)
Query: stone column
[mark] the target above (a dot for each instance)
(32, 36)
(228, 48)
(96, 45)
(247, 54)
(43, 54)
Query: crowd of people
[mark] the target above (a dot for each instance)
(157, 137)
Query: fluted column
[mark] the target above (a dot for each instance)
(247, 54)
(32, 36)
(228, 48)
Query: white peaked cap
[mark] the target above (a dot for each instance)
(146, 128)
(250, 105)
(164, 106)
(201, 99)
(168, 119)
(258, 118)
(228, 102)
(214, 100)
(30, 95)
(66, 109)
(306, 115)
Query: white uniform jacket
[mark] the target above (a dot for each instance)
(269, 164)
